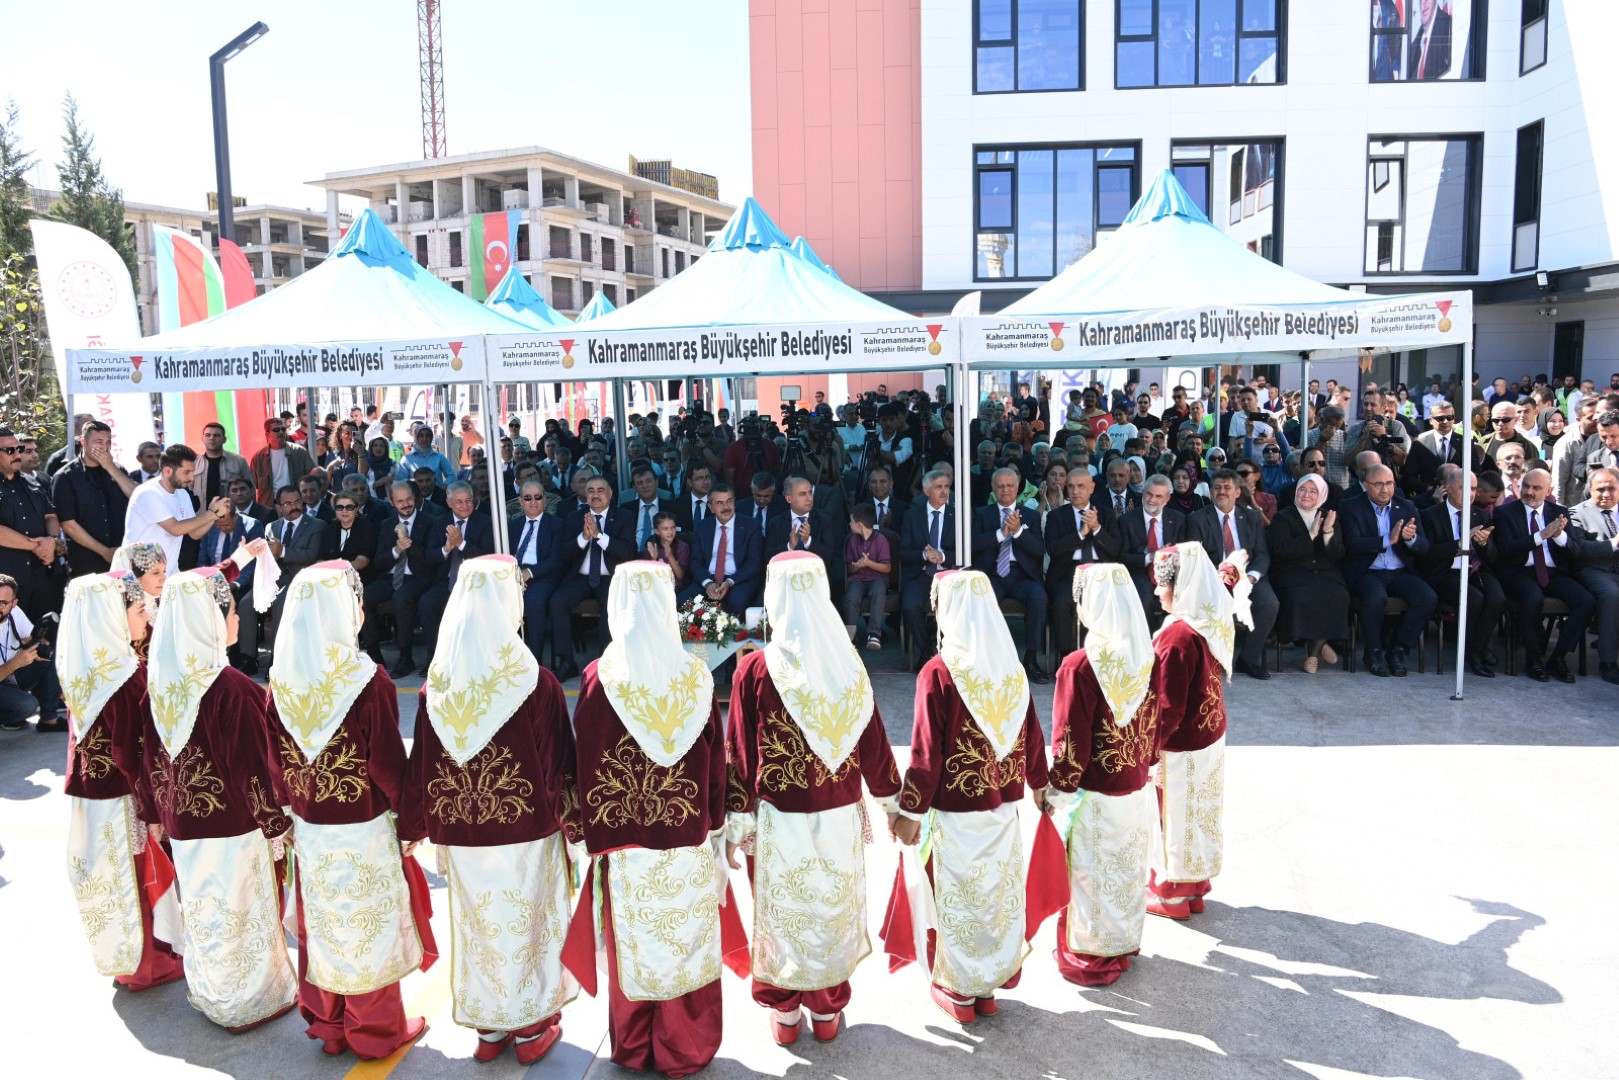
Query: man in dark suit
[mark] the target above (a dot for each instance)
(1383, 549)
(1116, 495)
(1075, 534)
(1224, 528)
(409, 561)
(1596, 562)
(296, 541)
(803, 528)
(467, 535)
(727, 558)
(889, 507)
(1536, 559)
(535, 540)
(1140, 533)
(692, 506)
(593, 544)
(312, 489)
(765, 506)
(643, 505)
(927, 544)
(1008, 548)
(1441, 568)
(213, 549)
(1428, 55)
(241, 501)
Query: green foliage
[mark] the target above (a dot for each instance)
(14, 201)
(88, 201)
(30, 400)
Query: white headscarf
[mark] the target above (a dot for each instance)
(977, 648)
(818, 674)
(662, 694)
(1118, 644)
(318, 671)
(1200, 600)
(94, 655)
(1309, 516)
(188, 651)
(481, 671)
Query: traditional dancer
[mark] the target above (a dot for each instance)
(1105, 742)
(651, 776)
(487, 784)
(339, 763)
(975, 745)
(1194, 648)
(206, 765)
(149, 565)
(122, 880)
(804, 731)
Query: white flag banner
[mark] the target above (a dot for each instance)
(90, 304)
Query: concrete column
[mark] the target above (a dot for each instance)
(402, 200)
(333, 226)
(571, 190)
(536, 188)
(469, 199)
(437, 211)
(683, 225)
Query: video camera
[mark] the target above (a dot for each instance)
(44, 635)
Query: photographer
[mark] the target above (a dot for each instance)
(1377, 432)
(894, 447)
(27, 669)
(751, 453)
(698, 438)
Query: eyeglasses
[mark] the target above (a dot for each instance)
(1317, 463)
(276, 430)
(1444, 419)
(1503, 419)
(343, 506)
(533, 498)
(10, 449)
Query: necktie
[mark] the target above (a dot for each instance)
(287, 535)
(1542, 577)
(1225, 534)
(595, 574)
(1444, 449)
(935, 539)
(402, 564)
(1003, 559)
(455, 556)
(1152, 535)
(646, 527)
(701, 507)
(1608, 524)
(525, 553)
(882, 513)
(798, 523)
(719, 557)
(1118, 505)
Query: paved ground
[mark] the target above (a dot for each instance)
(1413, 888)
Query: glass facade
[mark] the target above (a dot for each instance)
(1198, 42)
(1026, 46)
(1237, 185)
(1422, 205)
(1427, 40)
(1040, 208)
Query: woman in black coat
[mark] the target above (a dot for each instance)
(1305, 550)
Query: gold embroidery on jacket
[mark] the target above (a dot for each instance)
(337, 773)
(785, 760)
(489, 787)
(95, 753)
(971, 770)
(1118, 748)
(1211, 708)
(631, 790)
(186, 786)
(264, 809)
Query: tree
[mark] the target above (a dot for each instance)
(14, 193)
(88, 201)
(30, 400)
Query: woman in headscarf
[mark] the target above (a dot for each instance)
(804, 732)
(110, 856)
(1193, 648)
(339, 763)
(1185, 497)
(489, 784)
(205, 763)
(651, 782)
(1138, 473)
(1306, 549)
(1104, 739)
(975, 745)
(1552, 423)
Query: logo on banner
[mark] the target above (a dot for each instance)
(455, 356)
(1056, 336)
(135, 376)
(567, 351)
(1444, 315)
(87, 289)
(934, 348)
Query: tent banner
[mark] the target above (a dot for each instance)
(346, 363)
(1392, 322)
(716, 351)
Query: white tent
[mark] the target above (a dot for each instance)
(516, 299)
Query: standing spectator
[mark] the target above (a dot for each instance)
(217, 467)
(869, 564)
(27, 680)
(423, 456)
(278, 464)
(470, 440)
(927, 545)
(146, 456)
(753, 453)
(1330, 437)
(91, 495)
(161, 511)
(70, 451)
(520, 443)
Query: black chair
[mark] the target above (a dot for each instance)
(1395, 606)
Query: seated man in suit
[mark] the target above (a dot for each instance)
(1142, 532)
(429, 496)
(1536, 559)
(1441, 567)
(1076, 534)
(1224, 528)
(765, 506)
(242, 501)
(467, 535)
(1596, 561)
(889, 507)
(1008, 548)
(1116, 496)
(643, 504)
(927, 545)
(802, 527)
(1383, 548)
(593, 544)
(727, 559)
(296, 541)
(535, 540)
(692, 505)
(409, 560)
(312, 489)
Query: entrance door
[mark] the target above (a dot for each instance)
(1568, 351)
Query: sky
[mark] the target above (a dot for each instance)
(334, 86)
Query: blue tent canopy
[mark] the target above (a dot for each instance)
(516, 299)
(599, 305)
(801, 248)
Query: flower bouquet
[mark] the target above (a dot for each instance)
(705, 622)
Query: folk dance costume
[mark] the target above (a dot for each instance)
(803, 732)
(651, 776)
(975, 745)
(148, 564)
(1193, 649)
(488, 783)
(339, 763)
(1105, 743)
(122, 882)
(205, 762)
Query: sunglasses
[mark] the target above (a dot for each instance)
(10, 449)
(1444, 419)
(1318, 463)
(533, 498)
(1504, 420)
(343, 506)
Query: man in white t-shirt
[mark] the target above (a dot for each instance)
(160, 510)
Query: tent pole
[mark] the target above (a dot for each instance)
(966, 388)
(1306, 406)
(1466, 554)
(446, 410)
(621, 436)
(497, 484)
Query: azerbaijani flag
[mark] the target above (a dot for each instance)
(192, 286)
(494, 240)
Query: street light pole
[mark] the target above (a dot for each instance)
(216, 83)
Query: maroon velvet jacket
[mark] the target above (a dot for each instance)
(220, 783)
(1089, 750)
(771, 761)
(106, 763)
(625, 799)
(358, 775)
(1191, 689)
(513, 791)
(953, 767)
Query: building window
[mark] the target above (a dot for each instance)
(611, 292)
(459, 285)
(455, 248)
(1427, 40)
(1041, 208)
(587, 289)
(1422, 205)
(1238, 186)
(680, 262)
(1526, 197)
(608, 251)
(522, 243)
(629, 296)
(1027, 46)
(585, 248)
(562, 294)
(421, 249)
(1532, 38)
(1199, 42)
(665, 252)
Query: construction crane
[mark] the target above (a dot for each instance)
(430, 52)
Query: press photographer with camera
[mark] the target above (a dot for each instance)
(752, 452)
(27, 667)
